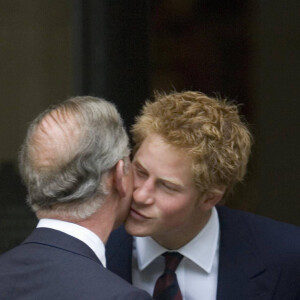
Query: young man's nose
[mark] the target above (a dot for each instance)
(143, 193)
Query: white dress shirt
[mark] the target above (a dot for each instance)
(81, 233)
(197, 273)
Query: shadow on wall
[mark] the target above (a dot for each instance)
(17, 220)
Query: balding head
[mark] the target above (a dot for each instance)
(68, 151)
(55, 139)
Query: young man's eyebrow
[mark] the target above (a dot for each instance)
(139, 165)
(168, 180)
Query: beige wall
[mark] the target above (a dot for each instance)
(36, 64)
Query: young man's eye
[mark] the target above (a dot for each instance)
(140, 172)
(169, 187)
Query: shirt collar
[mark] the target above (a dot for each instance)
(79, 232)
(201, 249)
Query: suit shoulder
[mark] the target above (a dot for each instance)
(260, 222)
(104, 282)
(268, 233)
(77, 277)
(122, 289)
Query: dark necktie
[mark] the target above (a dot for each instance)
(166, 286)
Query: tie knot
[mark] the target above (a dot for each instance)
(172, 260)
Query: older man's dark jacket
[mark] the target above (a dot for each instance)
(52, 265)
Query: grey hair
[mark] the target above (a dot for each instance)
(74, 185)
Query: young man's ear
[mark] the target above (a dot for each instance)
(212, 198)
(119, 178)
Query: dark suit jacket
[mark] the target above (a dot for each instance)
(259, 257)
(53, 265)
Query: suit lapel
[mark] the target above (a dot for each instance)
(242, 271)
(119, 253)
(58, 239)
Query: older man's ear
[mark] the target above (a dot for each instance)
(119, 180)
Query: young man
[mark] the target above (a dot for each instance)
(75, 165)
(190, 151)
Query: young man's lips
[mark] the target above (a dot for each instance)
(135, 213)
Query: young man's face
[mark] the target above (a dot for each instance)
(166, 204)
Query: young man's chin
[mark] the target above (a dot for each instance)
(135, 229)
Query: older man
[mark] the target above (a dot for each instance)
(190, 151)
(75, 165)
